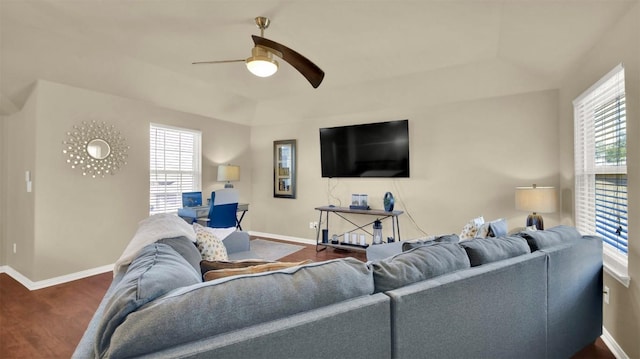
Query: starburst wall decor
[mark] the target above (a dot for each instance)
(97, 149)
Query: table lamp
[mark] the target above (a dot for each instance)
(228, 173)
(536, 200)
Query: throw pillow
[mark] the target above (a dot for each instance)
(260, 268)
(206, 266)
(470, 230)
(484, 231)
(498, 228)
(210, 246)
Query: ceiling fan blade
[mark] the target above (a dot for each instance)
(307, 68)
(215, 62)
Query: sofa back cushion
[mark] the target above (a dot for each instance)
(447, 238)
(156, 270)
(487, 250)
(418, 264)
(186, 248)
(207, 309)
(550, 237)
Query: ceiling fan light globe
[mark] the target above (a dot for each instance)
(262, 66)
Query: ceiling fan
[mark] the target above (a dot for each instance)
(261, 63)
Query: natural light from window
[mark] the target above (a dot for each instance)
(600, 139)
(175, 166)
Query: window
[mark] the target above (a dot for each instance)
(600, 139)
(175, 162)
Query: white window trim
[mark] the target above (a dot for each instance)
(615, 265)
(198, 146)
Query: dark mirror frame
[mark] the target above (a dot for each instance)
(284, 169)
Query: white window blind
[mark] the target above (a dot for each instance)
(600, 138)
(175, 166)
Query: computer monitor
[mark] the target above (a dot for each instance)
(191, 199)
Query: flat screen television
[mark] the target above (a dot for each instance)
(369, 150)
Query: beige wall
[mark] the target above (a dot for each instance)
(71, 222)
(620, 45)
(466, 160)
(3, 162)
(18, 227)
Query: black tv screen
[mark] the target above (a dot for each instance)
(369, 150)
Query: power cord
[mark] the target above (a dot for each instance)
(406, 209)
(330, 190)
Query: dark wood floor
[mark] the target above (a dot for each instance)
(48, 323)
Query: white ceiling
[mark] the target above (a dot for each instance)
(377, 55)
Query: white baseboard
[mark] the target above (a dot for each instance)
(31, 285)
(283, 238)
(616, 350)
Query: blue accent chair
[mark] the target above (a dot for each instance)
(224, 205)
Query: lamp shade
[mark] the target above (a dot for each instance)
(536, 199)
(228, 173)
(261, 62)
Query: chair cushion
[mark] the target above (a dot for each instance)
(418, 264)
(487, 250)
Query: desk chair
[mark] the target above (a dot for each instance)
(224, 205)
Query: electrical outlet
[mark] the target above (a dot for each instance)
(313, 225)
(15, 248)
(606, 293)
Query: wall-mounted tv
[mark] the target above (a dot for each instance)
(369, 150)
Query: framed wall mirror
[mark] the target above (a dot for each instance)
(97, 149)
(284, 169)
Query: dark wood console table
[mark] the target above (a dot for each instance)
(342, 212)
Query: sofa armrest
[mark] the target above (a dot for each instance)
(237, 241)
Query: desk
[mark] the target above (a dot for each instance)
(343, 211)
(201, 213)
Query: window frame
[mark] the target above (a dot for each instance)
(615, 262)
(193, 167)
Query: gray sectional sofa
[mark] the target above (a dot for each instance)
(531, 295)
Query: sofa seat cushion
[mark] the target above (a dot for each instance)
(487, 250)
(418, 264)
(157, 270)
(207, 309)
(550, 237)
